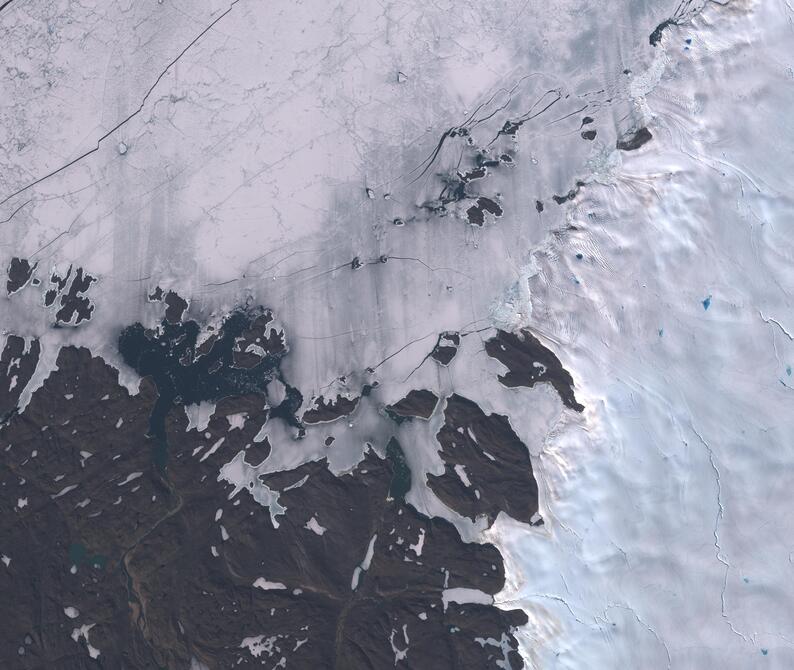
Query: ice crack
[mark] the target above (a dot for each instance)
(717, 545)
(645, 625)
(777, 323)
(129, 116)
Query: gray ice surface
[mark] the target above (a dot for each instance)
(252, 150)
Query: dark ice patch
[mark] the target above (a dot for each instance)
(417, 404)
(59, 283)
(74, 306)
(401, 477)
(175, 307)
(484, 159)
(656, 36)
(20, 272)
(446, 347)
(476, 213)
(164, 563)
(530, 363)
(17, 365)
(487, 467)
(156, 295)
(71, 425)
(185, 376)
(324, 410)
(475, 173)
(511, 127)
(634, 140)
(258, 341)
(570, 195)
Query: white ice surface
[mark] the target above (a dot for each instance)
(464, 595)
(83, 632)
(667, 535)
(314, 526)
(262, 583)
